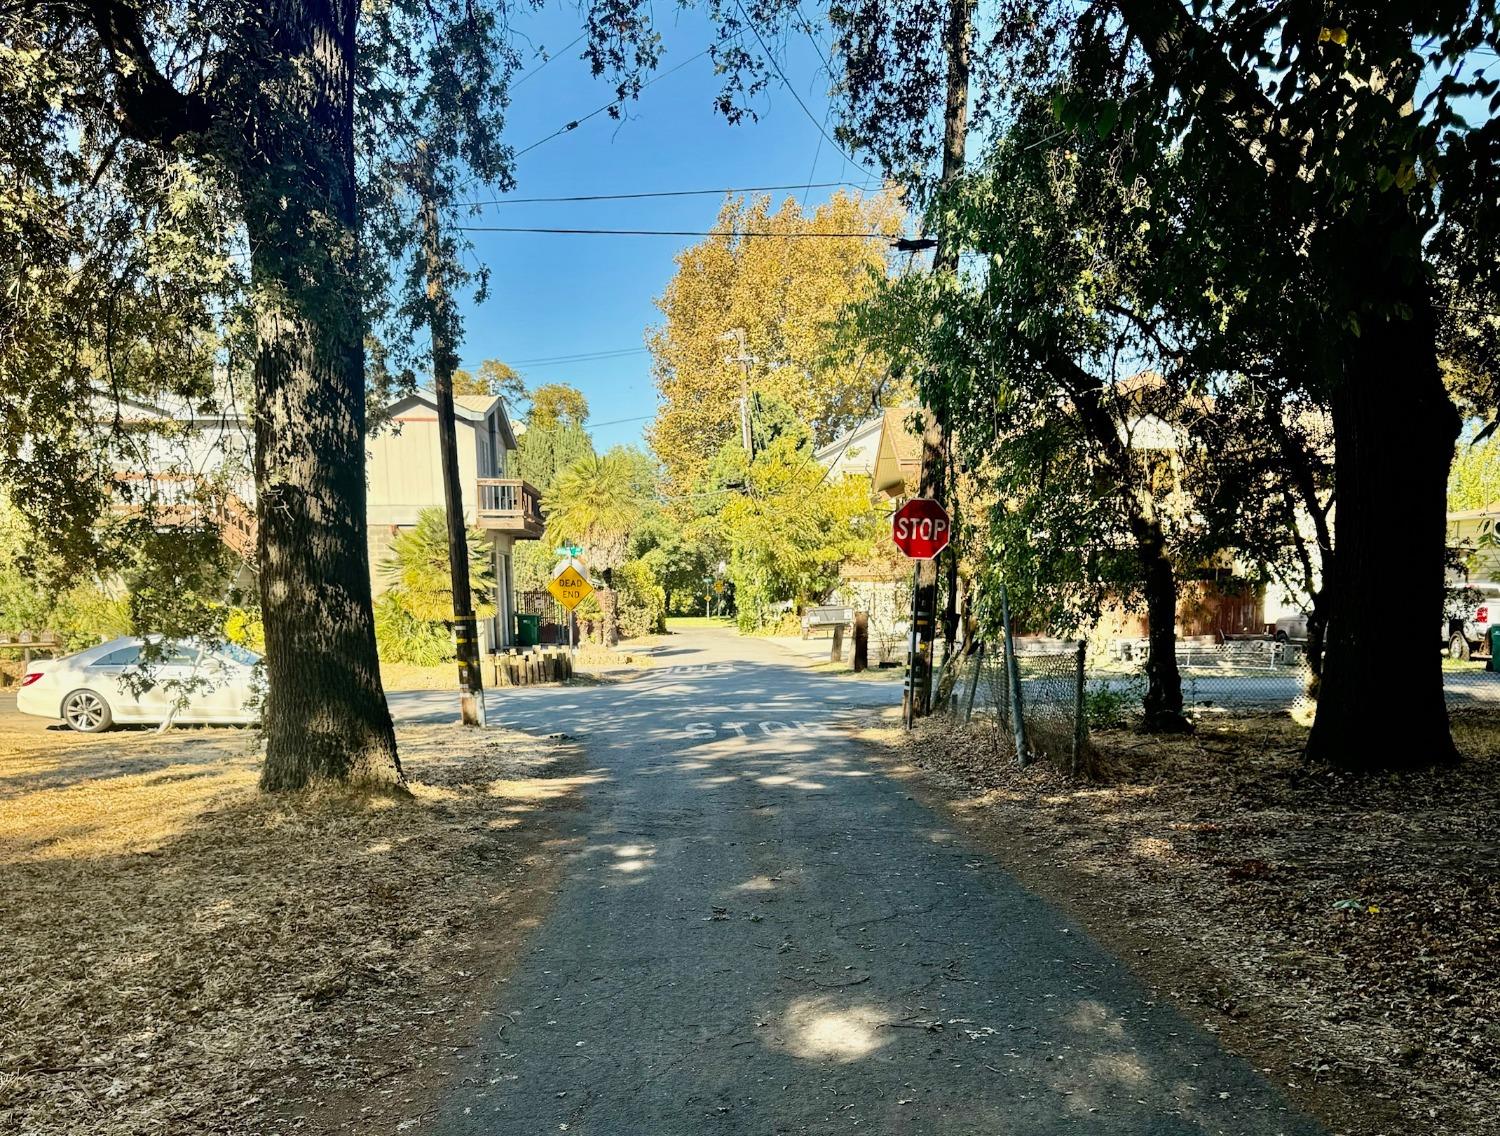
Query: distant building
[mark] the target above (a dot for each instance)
(165, 452)
(1473, 535)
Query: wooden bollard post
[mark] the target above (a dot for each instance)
(861, 640)
(836, 648)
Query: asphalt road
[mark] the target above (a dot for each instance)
(758, 933)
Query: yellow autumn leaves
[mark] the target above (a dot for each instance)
(788, 292)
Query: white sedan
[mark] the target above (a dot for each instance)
(94, 689)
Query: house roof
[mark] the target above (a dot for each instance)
(898, 460)
(473, 408)
(476, 402)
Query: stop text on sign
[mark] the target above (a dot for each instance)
(921, 528)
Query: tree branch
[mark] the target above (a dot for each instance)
(150, 109)
(1183, 54)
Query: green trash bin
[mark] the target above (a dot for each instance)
(528, 629)
(1494, 663)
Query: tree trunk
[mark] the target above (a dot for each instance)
(609, 610)
(1162, 704)
(1380, 702)
(325, 716)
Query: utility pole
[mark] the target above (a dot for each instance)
(443, 322)
(747, 437)
(958, 34)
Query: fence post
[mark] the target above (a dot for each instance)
(974, 681)
(1080, 716)
(1013, 680)
(861, 640)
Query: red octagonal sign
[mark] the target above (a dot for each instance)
(921, 528)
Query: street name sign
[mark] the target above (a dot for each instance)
(921, 528)
(569, 586)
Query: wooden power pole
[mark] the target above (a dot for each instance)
(958, 34)
(443, 323)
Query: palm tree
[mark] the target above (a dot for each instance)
(595, 503)
(419, 573)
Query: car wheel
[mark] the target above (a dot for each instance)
(87, 712)
(1282, 637)
(1458, 647)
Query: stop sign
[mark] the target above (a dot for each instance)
(921, 528)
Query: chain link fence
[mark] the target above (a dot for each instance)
(1033, 701)
(1239, 674)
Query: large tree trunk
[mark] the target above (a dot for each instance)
(1380, 702)
(1162, 704)
(325, 716)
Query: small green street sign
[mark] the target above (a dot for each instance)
(571, 551)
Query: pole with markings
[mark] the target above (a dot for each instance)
(443, 322)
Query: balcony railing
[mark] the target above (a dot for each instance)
(508, 504)
(177, 499)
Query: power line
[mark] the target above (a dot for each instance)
(579, 357)
(785, 82)
(617, 421)
(668, 193)
(546, 61)
(577, 122)
(670, 232)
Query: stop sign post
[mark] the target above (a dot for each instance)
(921, 528)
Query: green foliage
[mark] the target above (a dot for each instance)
(1109, 707)
(642, 601)
(682, 550)
(544, 452)
(791, 529)
(419, 570)
(1474, 480)
(531, 565)
(243, 626)
(596, 504)
(401, 637)
(176, 582)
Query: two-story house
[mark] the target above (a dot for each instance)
(405, 473)
(165, 452)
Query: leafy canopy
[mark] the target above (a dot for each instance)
(787, 296)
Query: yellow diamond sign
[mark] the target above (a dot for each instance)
(569, 586)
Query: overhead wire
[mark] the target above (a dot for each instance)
(546, 61)
(737, 233)
(577, 357)
(785, 82)
(577, 122)
(576, 197)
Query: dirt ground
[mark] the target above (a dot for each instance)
(1343, 933)
(183, 954)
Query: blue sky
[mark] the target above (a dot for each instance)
(555, 295)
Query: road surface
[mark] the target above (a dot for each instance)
(759, 933)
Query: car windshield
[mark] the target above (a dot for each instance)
(245, 658)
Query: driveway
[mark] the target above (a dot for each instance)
(760, 933)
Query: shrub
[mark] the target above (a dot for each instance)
(1108, 707)
(401, 637)
(643, 601)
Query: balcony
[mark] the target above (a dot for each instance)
(188, 501)
(510, 505)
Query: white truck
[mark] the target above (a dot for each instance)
(1474, 607)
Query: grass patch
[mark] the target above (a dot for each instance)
(693, 622)
(186, 954)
